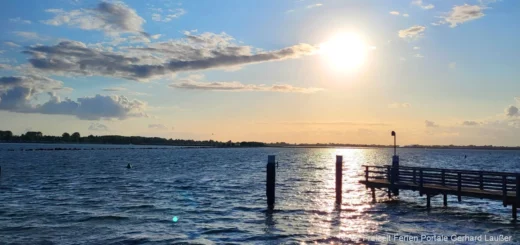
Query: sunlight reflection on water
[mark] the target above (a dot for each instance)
(220, 196)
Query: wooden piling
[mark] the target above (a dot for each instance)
(395, 173)
(445, 200)
(421, 182)
(481, 180)
(514, 211)
(373, 194)
(271, 180)
(459, 186)
(339, 177)
(517, 198)
(428, 201)
(504, 191)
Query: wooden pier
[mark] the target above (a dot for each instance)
(499, 186)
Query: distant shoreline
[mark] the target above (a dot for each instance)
(280, 146)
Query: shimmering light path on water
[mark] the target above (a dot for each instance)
(218, 196)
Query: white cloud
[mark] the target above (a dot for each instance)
(430, 124)
(17, 94)
(167, 17)
(394, 13)
(113, 18)
(11, 44)
(97, 127)
(416, 48)
(155, 60)
(27, 35)
(192, 83)
(412, 32)
(470, 123)
(422, 5)
(314, 5)
(406, 15)
(464, 13)
(161, 127)
(19, 20)
(114, 89)
(419, 56)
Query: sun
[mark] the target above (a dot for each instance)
(345, 51)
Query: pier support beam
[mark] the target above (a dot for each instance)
(373, 194)
(395, 173)
(514, 211)
(445, 200)
(339, 178)
(428, 201)
(271, 180)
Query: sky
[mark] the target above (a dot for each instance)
(296, 71)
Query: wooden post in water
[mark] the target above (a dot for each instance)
(366, 175)
(395, 173)
(443, 175)
(271, 180)
(339, 178)
(428, 201)
(420, 183)
(459, 186)
(481, 176)
(504, 190)
(373, 195)
(390, 177)
(445, 199)
(517, 198)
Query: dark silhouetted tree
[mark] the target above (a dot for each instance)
(75, 136)
(65, 136)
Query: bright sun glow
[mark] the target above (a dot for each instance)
(345, 51)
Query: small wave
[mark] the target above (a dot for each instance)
(139, 206)
(105, 218)
(224, 230)
(17, 228)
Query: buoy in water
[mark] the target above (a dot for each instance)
(129, 166)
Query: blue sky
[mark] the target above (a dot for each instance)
(438, 72)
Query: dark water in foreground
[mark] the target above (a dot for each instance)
(218, 196)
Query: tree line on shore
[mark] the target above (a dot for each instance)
(38, 137)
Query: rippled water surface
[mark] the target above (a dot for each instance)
(218, 196)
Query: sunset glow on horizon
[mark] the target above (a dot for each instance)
(289, 71)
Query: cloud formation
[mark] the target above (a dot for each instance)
(19, 21)
(114, 89)
(464, 13)
(430, 124)
(423, 5)
(412, 32)
(314, 5)
(512, 111)
(194, 52)
(12, 45)
(27, 35)
(113, 18)
(18, 93)
(157, 126)
(97, 127)
(192, 83)
(470, 123)
(169, 16)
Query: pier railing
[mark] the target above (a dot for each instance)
(502, 184)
